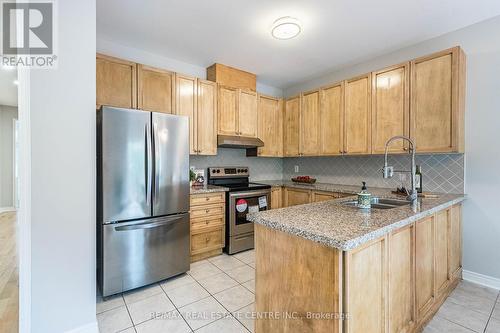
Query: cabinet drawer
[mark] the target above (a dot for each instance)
(208, 222)
(207, 241)
(207, 211)
(205, 199)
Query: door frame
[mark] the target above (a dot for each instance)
(15, 132)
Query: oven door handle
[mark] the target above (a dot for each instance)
(247, 194)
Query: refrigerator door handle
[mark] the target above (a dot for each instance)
(156, 158)
(149, 225)
(149, 164)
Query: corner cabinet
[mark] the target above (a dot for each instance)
(116, 82)
(156, 89)
(270, 127)
(357, 115)
(438, 101)
(237, 112)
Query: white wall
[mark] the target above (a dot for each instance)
(121, 51)
(62, 108)
(481, 42)
(7, 115)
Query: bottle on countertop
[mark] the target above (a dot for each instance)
(364, 197)
(418, 179)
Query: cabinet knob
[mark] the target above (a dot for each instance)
(206, 222)
(207, 198)
(207, 210)
(207, 239)
(405, 148)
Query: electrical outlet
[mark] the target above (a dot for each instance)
(296, 169)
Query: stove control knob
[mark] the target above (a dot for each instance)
(213, 170)
(218, 170)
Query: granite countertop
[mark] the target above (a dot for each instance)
(207, 189)
(344, 227)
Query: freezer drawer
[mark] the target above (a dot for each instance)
(144, 251)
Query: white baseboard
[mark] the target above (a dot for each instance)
(88, 328)
(484, 280)
(7, 209)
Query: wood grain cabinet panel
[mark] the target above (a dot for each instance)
(294, 196)
(206, 124)
(310, 124)
(332, 120)
(247, 114)
(276, 197)
(156, 89)
(116, 82)
(228, 110)
(292, 126)
(357, 117)
(186, 96)
(424, 258)
(390, 108)
(270, 127)
(437, 101)
(455, 242)
(441, 243)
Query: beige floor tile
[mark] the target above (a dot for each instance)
(129, 330)
(250, 285)
(112, 302)
(225, 325)
(203, 269)
(246, 316)
(235, 298)
(441, 325)
(142, 293)
(187, 294)
(150, 308)
(171, 322)
(242, 274)
(477, 290)
(113, 321)
(493, 326)
(218, 283)
(472, 301)
(463, 316)
(176, 282)
(226, 262)
(496, 311)
(201, 313)
(247, 257)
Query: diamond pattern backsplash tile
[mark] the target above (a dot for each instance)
(441, 172)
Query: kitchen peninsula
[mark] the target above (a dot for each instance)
(331, 267)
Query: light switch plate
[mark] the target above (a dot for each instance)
(296, 169)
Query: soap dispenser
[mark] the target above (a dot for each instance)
(364, 198)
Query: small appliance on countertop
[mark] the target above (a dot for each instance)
(242, 198)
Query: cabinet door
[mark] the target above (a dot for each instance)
(424, 258)
(291, 126)
(390, 108)
(437, 101)
(270, 129)
(401, 292)
(296, 197)
(276, 197)
(156, 89)
(247, 115)
(332, 120)
(227, 110)
(318, 196)
(207, 118)
(186, 106)
(455, 243)
(357, 118)
(309, 124)
(116, 82)
(441, 246)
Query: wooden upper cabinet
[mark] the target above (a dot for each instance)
(207, 118)
(270, 128)
(309, 124)
(227, 110)
(291, 126)
(332, 120)
(437, 101)
(156, 89)
(116, 82)
(357, 115)
(390, 108)
(186, 93)
(247, 113)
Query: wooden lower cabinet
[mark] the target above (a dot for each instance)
(424, 256)
(207, 225)
(276, 197)
(318, 196)
(295, 196)
(455, 241)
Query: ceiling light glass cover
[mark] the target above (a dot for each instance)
(286, 27)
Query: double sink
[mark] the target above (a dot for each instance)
(380, 203)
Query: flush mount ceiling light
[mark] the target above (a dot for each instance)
(286, 28)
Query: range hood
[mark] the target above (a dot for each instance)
(233, 141)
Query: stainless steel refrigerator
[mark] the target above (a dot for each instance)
(142, 198)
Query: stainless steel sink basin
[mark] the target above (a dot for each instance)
(380, 203)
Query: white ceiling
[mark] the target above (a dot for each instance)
(336, 33)
(8, 90)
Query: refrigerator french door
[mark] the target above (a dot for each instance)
(143, 198)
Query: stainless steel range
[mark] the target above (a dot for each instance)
(242, 198)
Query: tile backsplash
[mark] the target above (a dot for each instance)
(441, 172)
